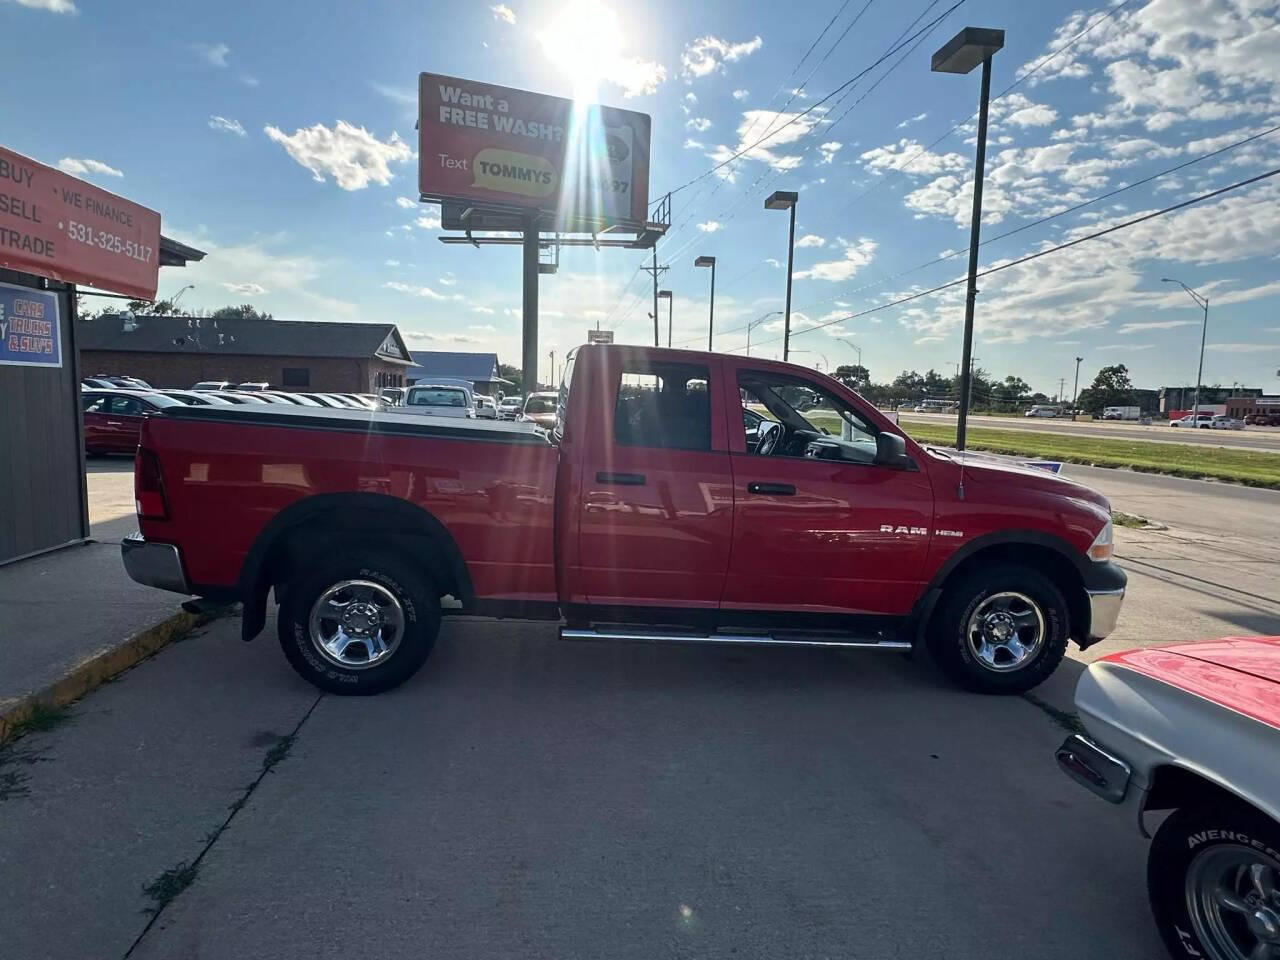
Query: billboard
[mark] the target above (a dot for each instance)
(55, 226)
(599, 336)
(508, 149)
(30, 331)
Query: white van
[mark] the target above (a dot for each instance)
(1042, 410)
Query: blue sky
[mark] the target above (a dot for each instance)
(280, 138)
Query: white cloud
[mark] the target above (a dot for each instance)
(406, 203)
(52, 6)
(741, 94)
(1036, 115)
(429, 222)
(636, 76)
(773, 262)
(811, 240)
(351, 155)
(245, 289)
(226, 126)
(857, 254)
(417, 290)
(700, 124)
(407, 96)
(391, 263)
(483, 328)
(912, 157)
(705, 55)
(488, 311)
(79, 167)
(710, 226)
(910, 120)
(692, 144)
(829, 150)
(213, 53)
(504, 13)
(773, 129)
(248, 80)
(448, 280)
(1242, 347)
(1124, 346)
(1128, 328)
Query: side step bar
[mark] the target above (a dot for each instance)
(733, 639)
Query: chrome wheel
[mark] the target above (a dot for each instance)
(1006, 631)
(356, 624)
(1234, 903)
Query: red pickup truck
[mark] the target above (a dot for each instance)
(679, 496)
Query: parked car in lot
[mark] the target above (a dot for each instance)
(645, 513)
(1194, 729)
(196, 397)
(213, 385)
(540, 408)
(438, 400)
(392, 396)
(509, 408)
(1263, 419)
(1204, 421)
(1043, 410)
(1223, 422)
(242, 399)
(113, 418)
(252, 385)
(486, 409)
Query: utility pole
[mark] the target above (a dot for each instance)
(655, 271)
(1062, 388)
(529, 312)
(1075, 390)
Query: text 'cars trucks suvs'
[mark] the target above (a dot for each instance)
(677, 496)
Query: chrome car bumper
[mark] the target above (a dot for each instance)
(1090, 766)
(153, 564)
(1104, 611)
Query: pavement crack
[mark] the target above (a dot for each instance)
(1068, 720)
(166, 887)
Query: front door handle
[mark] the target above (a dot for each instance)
(773, 489)
(114, 423)
(621, 479)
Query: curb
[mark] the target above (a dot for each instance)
(98, 669)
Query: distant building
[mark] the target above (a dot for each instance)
(1184, 397)
(171, 351)
(478, 369)
(1247, 406)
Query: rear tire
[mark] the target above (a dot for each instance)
(1000, 629)
(361, 624)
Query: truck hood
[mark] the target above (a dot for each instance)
(981, 468)
(1256, 656)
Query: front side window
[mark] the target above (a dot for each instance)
(125, 407)
(95, 403)
(792, 417)
(663, 405)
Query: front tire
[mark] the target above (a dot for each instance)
(1000, 629)
(359, 625)
(1213, 876)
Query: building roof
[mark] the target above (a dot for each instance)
(243, 337)
(476, 367)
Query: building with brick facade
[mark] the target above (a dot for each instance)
(170, 351)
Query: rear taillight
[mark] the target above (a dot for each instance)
(148, 486)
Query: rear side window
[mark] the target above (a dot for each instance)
(429, 397)
(663, 405)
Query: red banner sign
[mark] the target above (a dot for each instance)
(55, 226)
(497, 147)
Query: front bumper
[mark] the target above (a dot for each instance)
(153, 564)
(1090, 766)
(1104, 611)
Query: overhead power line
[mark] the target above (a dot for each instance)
(1035, 256)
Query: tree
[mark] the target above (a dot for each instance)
(245, 311)
(508, 372)
(854, 376)
(1110, 388)
(1011, 391)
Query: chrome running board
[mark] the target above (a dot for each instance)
(734, 639)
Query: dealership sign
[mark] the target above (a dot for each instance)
(55, 226)
(30, 332)
(499, 148)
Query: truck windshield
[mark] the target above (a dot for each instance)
(437, 397)
(539, 405)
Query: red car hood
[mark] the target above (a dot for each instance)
(1240, 673)
(985, 469)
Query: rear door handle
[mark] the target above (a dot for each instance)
(620, 479)
(773, 489)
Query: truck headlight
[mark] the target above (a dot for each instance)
(1101, 549)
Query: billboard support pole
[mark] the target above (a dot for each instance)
(529, 334)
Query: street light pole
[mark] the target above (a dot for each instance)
(1075, 390)
(711, 320)
(784, 200)
(756, 322)
(666, 295)
(1204, 331)
(855, 347)
(963, 52)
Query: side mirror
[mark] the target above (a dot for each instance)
(891, 451)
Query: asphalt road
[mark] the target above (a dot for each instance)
(525, 797)
(1250, 438)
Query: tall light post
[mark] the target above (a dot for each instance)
(1204, 331)
(846, 340)
(756, 322)
(786, 200)
(1075, 390)
(968, 48)
(173, 301)
(666, 295)
(552, 355)
(711, 320)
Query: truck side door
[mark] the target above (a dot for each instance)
(820, 536)
(656, 503)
